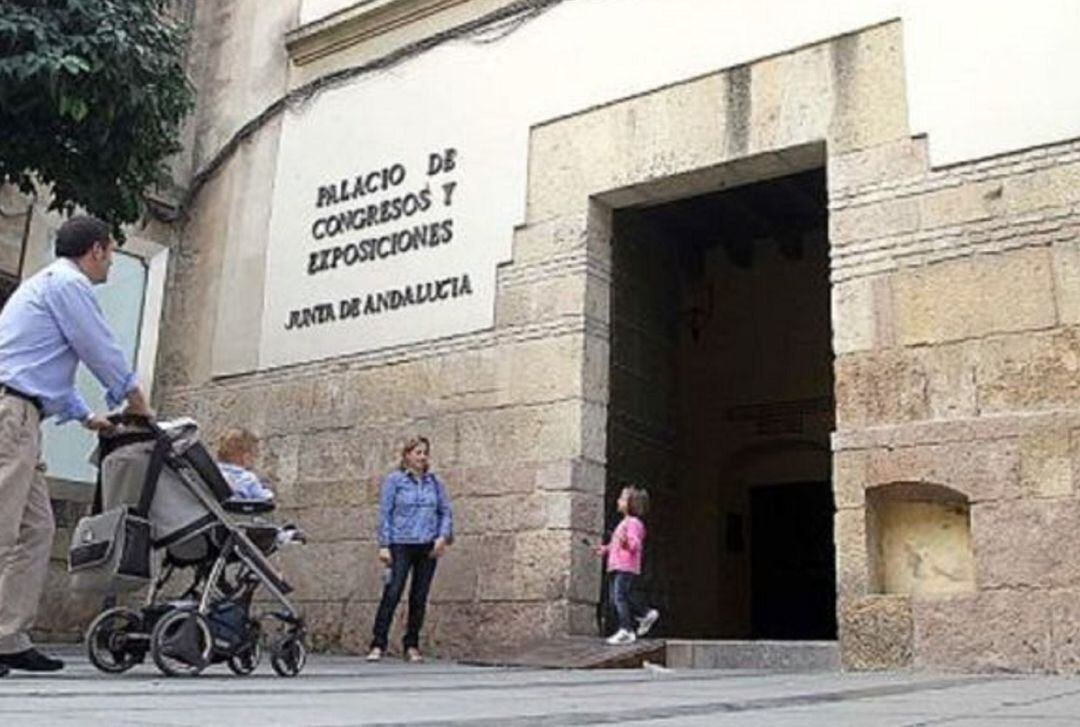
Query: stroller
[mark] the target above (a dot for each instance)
(159, 490)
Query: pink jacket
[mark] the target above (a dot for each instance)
(627, 542)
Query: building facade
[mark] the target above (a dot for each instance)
(809, 276)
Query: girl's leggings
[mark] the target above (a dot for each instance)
(622, 598)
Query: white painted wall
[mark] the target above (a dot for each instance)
(983, 78)
(990, 77)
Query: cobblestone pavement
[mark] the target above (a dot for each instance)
(348, 691)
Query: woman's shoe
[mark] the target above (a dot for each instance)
(413, 655)
(375, 654)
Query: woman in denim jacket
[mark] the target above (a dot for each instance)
(415, 529)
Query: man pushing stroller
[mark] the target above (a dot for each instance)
(51, 322)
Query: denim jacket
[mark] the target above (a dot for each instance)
(413, 511)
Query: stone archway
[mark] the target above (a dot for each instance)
(813, 107)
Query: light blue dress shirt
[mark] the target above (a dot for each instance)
(245, 484)
(413, 511)
(50, 323)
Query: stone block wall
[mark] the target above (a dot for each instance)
(515, 431)
(519, 488)
(956, 365)
(517, 414)
(955, 329)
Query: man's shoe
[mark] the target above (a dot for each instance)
(30, 660)
(3, 670)
(622, 636)
(647, 621)
(375, 654)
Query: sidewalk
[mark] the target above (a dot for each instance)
(348, 691)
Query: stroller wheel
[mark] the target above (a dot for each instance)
(246, 660)
(288, 655)
(181, 643)
(112, 642)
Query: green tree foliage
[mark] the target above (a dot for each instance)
(92, 96)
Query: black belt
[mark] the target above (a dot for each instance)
(5, 389)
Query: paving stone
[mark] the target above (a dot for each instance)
(335, 690)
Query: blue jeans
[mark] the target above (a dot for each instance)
(622, 598)
(405, 558)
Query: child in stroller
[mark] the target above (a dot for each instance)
(236, 457)
(163, 473)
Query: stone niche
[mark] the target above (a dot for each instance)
(919, 540)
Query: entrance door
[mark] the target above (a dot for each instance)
(721, 375)
(792, 560)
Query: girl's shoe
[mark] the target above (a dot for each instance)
(375, 654)
(647, 621)
(413, 655)
(622, 636)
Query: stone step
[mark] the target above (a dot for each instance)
(756, 655)
(590, 652)
(578, 652)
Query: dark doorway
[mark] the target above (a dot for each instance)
(721, 404)
(793, 578)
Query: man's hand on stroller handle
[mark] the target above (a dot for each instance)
(124, 418)
(137, 413)
(96, 423)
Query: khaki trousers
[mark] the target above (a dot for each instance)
(26, 522)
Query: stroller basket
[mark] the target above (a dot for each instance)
(110, 552)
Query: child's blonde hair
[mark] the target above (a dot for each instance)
(235, 443)
(637, 500)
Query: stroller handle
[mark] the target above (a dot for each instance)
(124, 419)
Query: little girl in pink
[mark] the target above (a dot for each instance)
(624, 566)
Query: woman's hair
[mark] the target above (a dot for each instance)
(412, 443)
(235, 443)
(637, 500)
